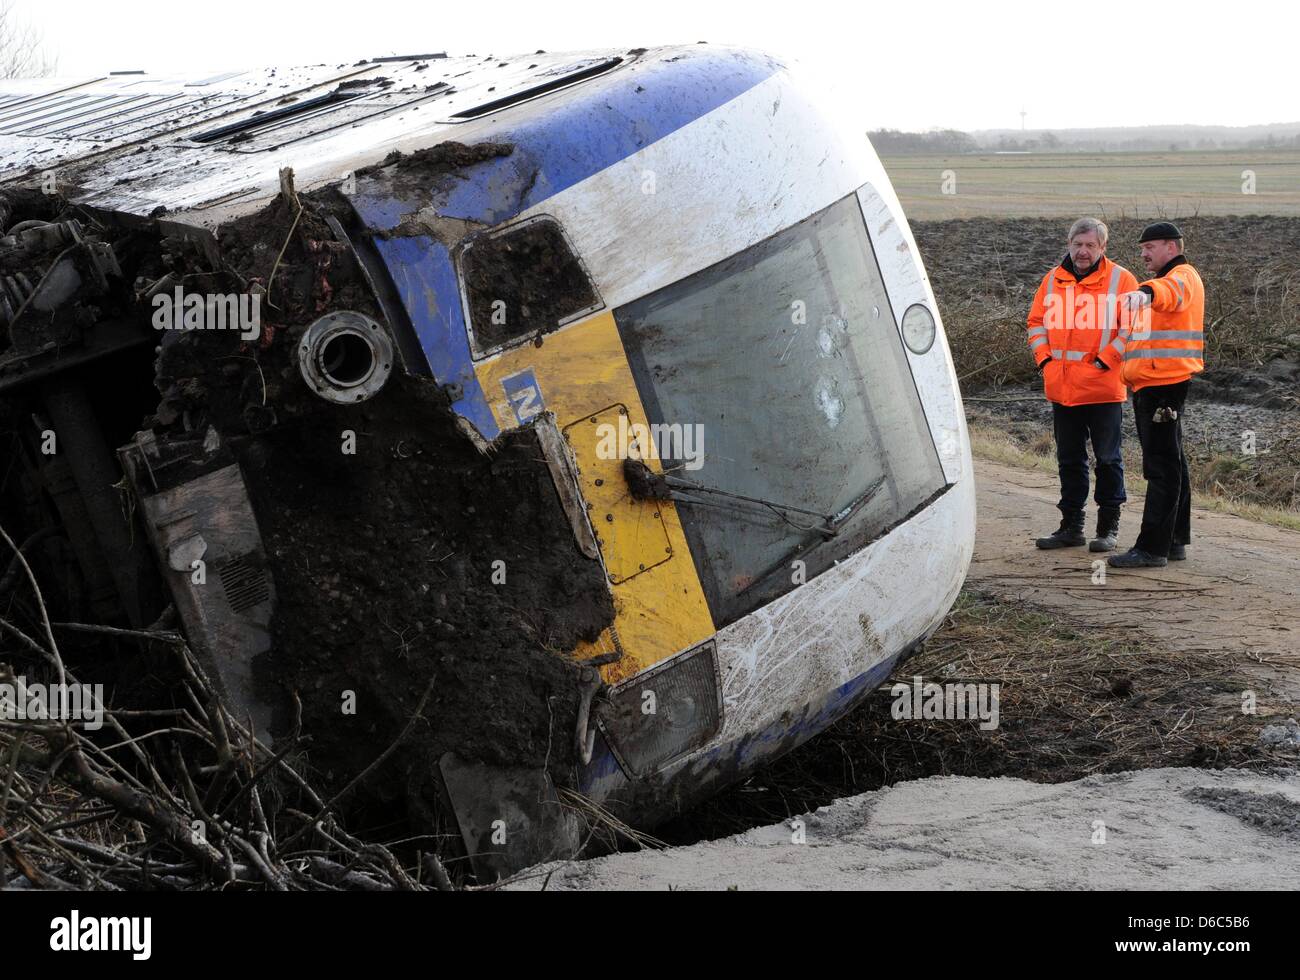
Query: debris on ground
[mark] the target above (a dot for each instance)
(1274, 813)
(1281, 736)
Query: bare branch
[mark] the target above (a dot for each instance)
(22, 48)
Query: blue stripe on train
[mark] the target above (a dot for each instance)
(602, 122)
(424, 276)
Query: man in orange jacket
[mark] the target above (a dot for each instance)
(1165, 346)
(1073, 336)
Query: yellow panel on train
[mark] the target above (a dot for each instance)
(582, 376)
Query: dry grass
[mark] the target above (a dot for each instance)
(1073, 701)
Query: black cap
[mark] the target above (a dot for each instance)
(1160, 231)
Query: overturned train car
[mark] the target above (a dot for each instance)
(594, 405)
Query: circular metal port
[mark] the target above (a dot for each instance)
(345, 357)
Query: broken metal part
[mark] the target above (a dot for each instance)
(509, 819)
(585, 736)
(345, 357)
(23, 366)
(81, 270)
(381, 288)
(39, 236)
(564, 473)
(205, 534)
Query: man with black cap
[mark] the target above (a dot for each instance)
(1164, 344)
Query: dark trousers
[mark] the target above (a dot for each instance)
(1167, 517)
(1072, 427)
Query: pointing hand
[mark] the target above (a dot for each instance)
(1135, 301)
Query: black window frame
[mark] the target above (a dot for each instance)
(477, 351)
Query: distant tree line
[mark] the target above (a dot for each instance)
(893, 142)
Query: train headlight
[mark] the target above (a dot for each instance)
(918, 329)
(667, 711)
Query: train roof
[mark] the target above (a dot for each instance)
(208, 149)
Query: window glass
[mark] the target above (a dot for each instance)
(785, 366)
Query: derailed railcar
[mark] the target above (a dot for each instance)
(674, 243)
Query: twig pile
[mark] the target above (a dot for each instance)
(177, 798)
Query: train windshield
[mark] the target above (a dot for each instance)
(782, 377)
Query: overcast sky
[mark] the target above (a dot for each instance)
(910, 64)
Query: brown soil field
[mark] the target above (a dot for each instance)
(984, 273)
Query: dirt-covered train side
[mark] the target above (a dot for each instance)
(400, 568)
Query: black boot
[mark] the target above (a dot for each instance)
(1068, 535)
(1136, 558)
(1107, 530)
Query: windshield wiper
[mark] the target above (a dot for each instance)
(840, 519)
(646, 484)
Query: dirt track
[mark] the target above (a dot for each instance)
(1239, 590)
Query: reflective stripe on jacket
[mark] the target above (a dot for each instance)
(1076, 323)
(1166, 341)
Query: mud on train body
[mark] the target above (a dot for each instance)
(489, 271)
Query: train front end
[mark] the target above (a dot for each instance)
(757, 330)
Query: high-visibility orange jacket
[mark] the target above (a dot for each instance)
(1074, 324)
(1165, 343)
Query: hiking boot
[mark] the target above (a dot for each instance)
(1107, 530)
(1068, 535)
(1136, 558)
(1178, 552)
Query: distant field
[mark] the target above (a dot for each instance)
(1141, 185)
